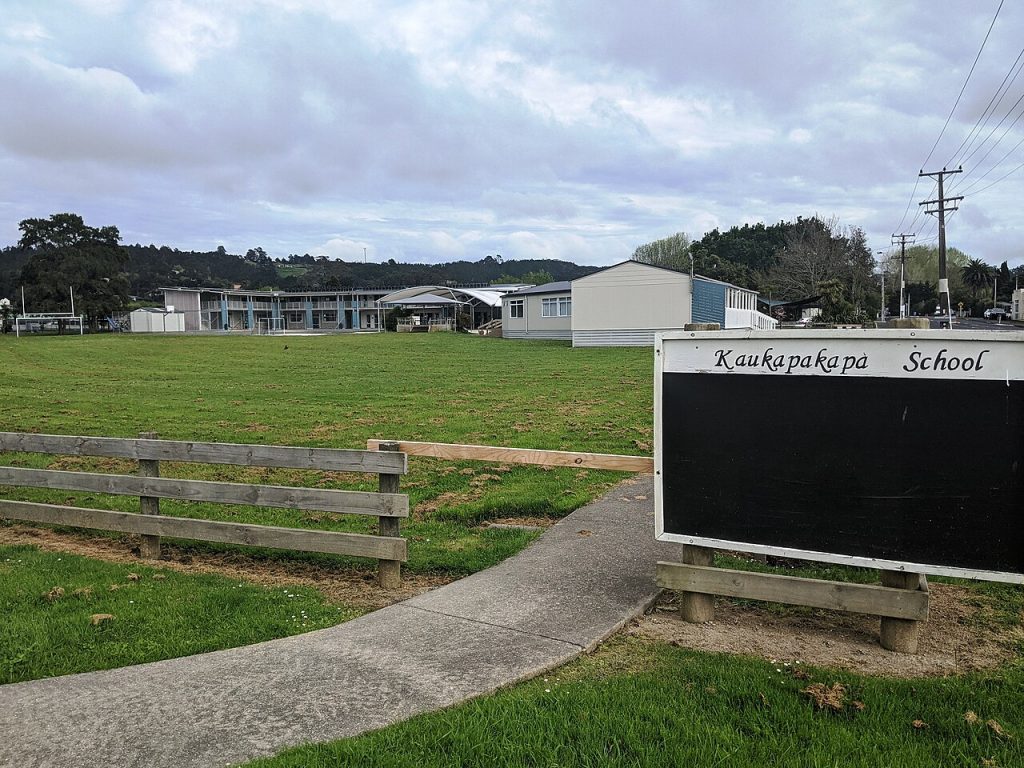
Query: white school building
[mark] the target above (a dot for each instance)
(626, 305)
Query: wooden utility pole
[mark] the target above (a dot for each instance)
(903, 239)
(940, 211)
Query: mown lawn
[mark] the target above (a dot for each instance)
(640, 703)
(338, 391)
(632, 703)
(335, 391)
(65, 614)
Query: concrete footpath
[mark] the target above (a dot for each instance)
(581, 581)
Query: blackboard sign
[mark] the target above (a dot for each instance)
(893, 449)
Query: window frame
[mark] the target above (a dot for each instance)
(556, 306)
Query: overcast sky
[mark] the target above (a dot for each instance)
(439, 130)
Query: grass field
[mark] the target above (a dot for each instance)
(331, 391)
(638, 703)
(632, 703)
(48, 602)
(338, 391)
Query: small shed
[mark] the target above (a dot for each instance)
(157, 320)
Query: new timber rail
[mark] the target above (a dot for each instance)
(388, 505)
(458, 452)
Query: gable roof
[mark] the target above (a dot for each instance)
(666, 269)
(462, 295)
(634, 262)
(560, 286)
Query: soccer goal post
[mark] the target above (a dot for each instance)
(270, 326)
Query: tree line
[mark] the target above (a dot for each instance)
(816, 257)
(60, 253)
(808, 257)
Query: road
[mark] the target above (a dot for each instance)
(977, 324)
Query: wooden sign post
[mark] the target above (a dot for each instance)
(901, 450)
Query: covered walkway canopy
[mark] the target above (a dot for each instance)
(483, 304)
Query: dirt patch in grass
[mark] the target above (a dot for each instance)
(954, 640)
(520, 522)
(349, 587)
(447, 499)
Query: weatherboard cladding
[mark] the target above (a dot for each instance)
(630, 337)
(630, 297)
(708, 302)
(541, 335)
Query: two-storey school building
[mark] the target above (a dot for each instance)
(237, 309)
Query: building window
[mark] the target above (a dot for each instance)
(515, 308)
(556, 307)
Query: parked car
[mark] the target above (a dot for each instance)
(996, 313)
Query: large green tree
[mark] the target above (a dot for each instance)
(923, 267)
(1004, 286)
(672, 252)
(742, 255)
(835, 307)
(976, 275)
(816, 251)
(69, 255)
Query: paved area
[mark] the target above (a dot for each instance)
(584, 578)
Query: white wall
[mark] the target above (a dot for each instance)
(185, 301)
(157, 322)
(533, 324)
(627, 304)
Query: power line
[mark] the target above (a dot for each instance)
(1008, 129)
(910, 202)
(964, 88)
(998, 163)
(1001, 178)
(990, 108)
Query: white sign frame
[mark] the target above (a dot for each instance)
(1004, 361)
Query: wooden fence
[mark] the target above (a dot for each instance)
(388, 505)
(520, 455)
(901, 602)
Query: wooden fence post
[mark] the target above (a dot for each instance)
(389, 572)
(149, 505)
(901, 635)
(697, 607)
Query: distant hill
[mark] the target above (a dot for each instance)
(151, 267)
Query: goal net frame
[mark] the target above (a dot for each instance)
(270, 326)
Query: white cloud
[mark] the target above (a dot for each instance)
(346, 250)
(800, 136)
(180, 35)
(29, 32)
(102, 7)
(431, 130)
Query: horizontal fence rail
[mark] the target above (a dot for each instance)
(287, 457)
(523, 456)
(282, 496)
(388, 505)
(832, 595)
(302, 540)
